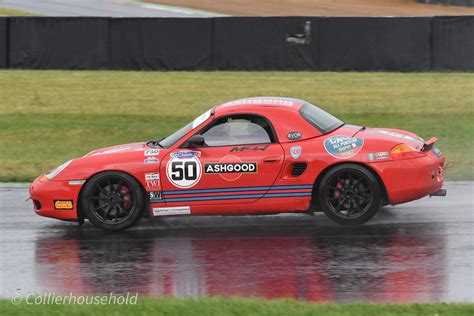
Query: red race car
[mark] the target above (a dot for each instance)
(261, 155)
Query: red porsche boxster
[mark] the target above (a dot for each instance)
(262, 155)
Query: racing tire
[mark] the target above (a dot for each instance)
(113, 200)
(349, 194)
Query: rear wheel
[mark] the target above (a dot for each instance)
(113, 200)
(349, 194)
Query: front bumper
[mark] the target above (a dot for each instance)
(411, 179)
(51, 198)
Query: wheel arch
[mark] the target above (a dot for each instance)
(328, 168)
(81, 216)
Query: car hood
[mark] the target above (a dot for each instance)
(134, 156)
(124, 148)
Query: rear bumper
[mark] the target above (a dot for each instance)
(50, 198)
(411, 179)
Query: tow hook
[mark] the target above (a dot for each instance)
(440, 192)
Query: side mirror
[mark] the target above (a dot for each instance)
(196, 141)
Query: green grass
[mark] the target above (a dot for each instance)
(12, 12)
(48, 117)
(247, 307)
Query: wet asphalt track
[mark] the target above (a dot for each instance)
(420, 251)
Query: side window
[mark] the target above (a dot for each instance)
(238, 130)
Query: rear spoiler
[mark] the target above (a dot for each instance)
(429, 144)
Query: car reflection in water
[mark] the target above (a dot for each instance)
(380, 263)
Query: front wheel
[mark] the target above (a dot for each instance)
(349, 194)
(113, 200)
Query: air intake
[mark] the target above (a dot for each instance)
(298, 169)
(37, 205)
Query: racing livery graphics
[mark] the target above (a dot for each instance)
(166, 211)
(151, 152)
(184, 169)
(152, 181)
(295, 152)
(343, 147)
(229, 167)
(63, 205)
(262, 155)
(294, 135)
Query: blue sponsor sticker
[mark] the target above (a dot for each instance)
(151, 160)
(295, 152)
(343, 147)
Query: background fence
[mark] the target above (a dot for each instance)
(239, 43)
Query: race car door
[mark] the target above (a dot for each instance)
(238, 163)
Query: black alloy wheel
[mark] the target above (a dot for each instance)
(349, 194)
(113, 200)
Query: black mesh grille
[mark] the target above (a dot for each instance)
(298, 169)
(37, 204)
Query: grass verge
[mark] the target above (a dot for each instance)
(48, 117)
(12, 12)
(223, 307)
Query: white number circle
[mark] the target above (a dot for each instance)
(184, 172)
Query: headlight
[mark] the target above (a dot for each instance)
(50, 175)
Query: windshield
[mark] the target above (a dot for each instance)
(320, 119)
(173, 138)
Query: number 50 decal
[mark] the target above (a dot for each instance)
(184, 172)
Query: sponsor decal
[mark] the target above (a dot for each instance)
(185, 154)
(294, 135)
(152, 152)
(343, 147)
(201, 119)
(230, 168)
(184, 169)
(152, 181)
(237, 167)
(398, 135)
(378, 156)
(63, 204)
(295, 152)
(77, 182)
(249, 148)
(151, 160)
(163, 211)
(155, 195)
(152, 176)
(153, 185)
(259, 101)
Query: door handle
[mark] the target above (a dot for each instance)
(273, 159)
